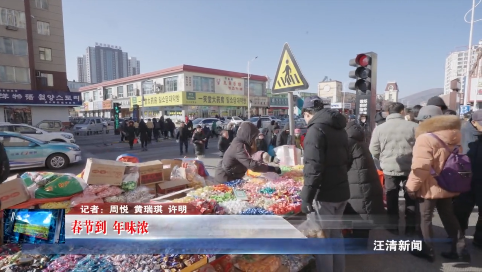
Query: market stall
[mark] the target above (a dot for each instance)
(180, 181)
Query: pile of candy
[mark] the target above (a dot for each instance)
(93, 263)
(208, 207)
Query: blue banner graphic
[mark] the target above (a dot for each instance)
(33, 97)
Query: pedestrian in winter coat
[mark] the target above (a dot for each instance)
(381, 116)
(258, 123)
(150, 128)
(4, 164)
(231, 132)
(162, 127)
(270, 133)
(207, 134)
(143, 134)
(283, 136)
(414, 113)
(190, 127)
(366, 128)
(131, 134)
(265, 133)
(214, 128)
(156, 130)
(299, 139)
(123, 129)
(237, 159)
(261, 143)
(326, 190)
(366, 192)
(183, 137)
(437, 101)
(436, 136)
(171, 127)
(223, 143)
(464, 204)
(198, 139)
(392, 144)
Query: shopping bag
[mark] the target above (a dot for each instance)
(271, 151)
(136, 141)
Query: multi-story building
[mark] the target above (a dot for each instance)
(391, 92)
(105, 62)
(178, 92)
(134, 66)
(33, 79)
(456, 66)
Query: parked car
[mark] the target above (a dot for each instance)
(90, 125)
(235, 120)
(209, 122)
(38, 133)
(26, 152)
(50, 125)
(265, 121)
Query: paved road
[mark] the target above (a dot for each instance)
(93, 146)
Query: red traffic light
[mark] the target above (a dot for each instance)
(362, 60)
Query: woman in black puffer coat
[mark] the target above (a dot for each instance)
(366, 192)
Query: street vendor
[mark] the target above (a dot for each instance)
(238, 158)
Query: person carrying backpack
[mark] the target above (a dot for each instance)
(464, 204)
(437, 147)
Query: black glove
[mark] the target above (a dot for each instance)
(274, 169)
(307, 195)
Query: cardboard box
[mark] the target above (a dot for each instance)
(150, 172)
(99, 171)
(152, 188)
(196, 265)
(171, 186)
(12, 192)
(167, 166)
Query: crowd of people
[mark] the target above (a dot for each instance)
(428, 152)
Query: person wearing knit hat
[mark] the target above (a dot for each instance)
(437, 101)
(428, 112)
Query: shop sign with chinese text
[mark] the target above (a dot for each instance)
(278, 102)
(229, 85)
(257, 101)
(164, 99)
(212, 99)
(39, 98)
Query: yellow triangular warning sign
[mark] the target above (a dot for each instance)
(288, 75)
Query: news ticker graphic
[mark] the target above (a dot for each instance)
(139, 209)
(228, 246)
(133, 226)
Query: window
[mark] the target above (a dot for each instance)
(12, 17)
(45, 53)
(47, 79)
(24, 130)
(42, 4)
(11, 141)
(130, 90)
(43, 28)
(94, 95)
(14, 74)
(86, 96)
(109, 93)
(13, 46)
(120, 91)
(203, 84)
(170, 84)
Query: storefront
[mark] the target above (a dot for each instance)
(259, 105)
(193, 104)
(278, 106)
(32, 107)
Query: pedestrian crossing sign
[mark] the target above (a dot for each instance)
(288, 75)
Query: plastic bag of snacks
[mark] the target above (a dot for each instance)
(258, 263)
(311, 228)
(288, 155)
(131, 176)
(116, 199)
(85, 199)
(94, 189)
(56, 205)
(178, 173)
(111, 191)
(139, 195)
(51, 185)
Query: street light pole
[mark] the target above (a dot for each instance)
(249, 101)
(469, 59)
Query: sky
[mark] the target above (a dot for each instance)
(411, 37)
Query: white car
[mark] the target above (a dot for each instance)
(235, 120)
(208, 122)
(38, 133)
(265, 120)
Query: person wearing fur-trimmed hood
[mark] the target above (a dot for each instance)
(435, 131)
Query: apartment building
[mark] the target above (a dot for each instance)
(456, 66)
(33, 74)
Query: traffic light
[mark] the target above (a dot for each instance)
(116, 113)
(365, 73)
